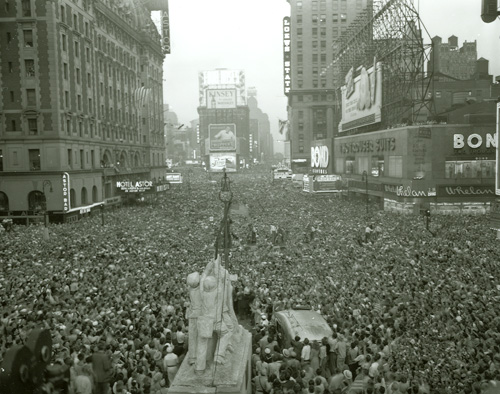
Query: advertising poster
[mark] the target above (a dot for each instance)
(222, 137)
(362, 98)
(219, 161)
(221, 98)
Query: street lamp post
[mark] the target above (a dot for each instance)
(364, 177)
(226, 196)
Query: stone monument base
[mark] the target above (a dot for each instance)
(233, 377)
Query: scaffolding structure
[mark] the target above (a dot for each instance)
(390, 32)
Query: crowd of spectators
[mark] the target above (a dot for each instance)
(411, 312)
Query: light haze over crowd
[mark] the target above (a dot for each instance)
(247, 35)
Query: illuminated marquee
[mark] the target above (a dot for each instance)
(134, 187)
(65, 190)
(287, 58)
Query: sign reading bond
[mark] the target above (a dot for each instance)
(134, 186)
(320, 158)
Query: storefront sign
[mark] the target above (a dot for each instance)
(222, 137)
(408, 191)
(84, 210)
(392, 189)
(466, 190)
(362, 98)
(474, 141)
(173, 177)
(162, 188)
(366, 146)
(65, 191)
(320, 158)
(134, 186)
(287, 60)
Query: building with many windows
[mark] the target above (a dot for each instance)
(80, 104)
(315, 25)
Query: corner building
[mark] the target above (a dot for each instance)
(312, 102)
(80, 104)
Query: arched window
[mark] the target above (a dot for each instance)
(84, 196)
(94, 194)
(136, 160)
(4, 202)
(72, 198)
(36, 201)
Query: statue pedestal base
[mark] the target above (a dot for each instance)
(234, 377)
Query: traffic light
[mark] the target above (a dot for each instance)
(489, 10)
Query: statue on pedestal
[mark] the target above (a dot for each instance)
(211, 311)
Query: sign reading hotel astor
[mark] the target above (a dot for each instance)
(287, 56)
(134, 186)
(362, 97)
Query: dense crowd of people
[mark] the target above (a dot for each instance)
(411, 312)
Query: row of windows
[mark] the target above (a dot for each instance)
(322, 18)
(375, 166)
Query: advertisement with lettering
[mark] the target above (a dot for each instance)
(221, 98)
(219, 161)
(362, 98)
(134, 186)
(287, 56)
(222, 79)
(320, 157)
(222, 137)
(65, 192)
(466, 191)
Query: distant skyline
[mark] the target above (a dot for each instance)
(239, 34)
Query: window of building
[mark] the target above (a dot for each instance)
(315, 58)
(9, 37)
(87, 54)
(335, 31)
(350, 165)
(32, 126)
(299, 4)
(12, 96)
(66, 99)
(13, 125)
(68, 126)
(300, 126)
(315, 45)
(80, 129)
(335, 17)
(377, 166)
(28, 38)
(323, 83)
(314, 5)
(75, 22)
(11, 68)
(315, 70)
(299, 19)
(64, 41)
(81, 159)
(343, 5)
(322, 18)
(299, 31)
(1, 160)
(396, 166)
(322, 32)
(299, 45)
(315, 83)
(89, 80)
(343, 18)
(84, 196)
(314, 31)
(87, 31)
(29, 66)
(301, 148)
(300, 98)
(26, 7)
(65, 71)
(62, 14)
(70, 157)
(477, 169)
(300, 83)
(72, 198)
(322, 5)
(78, 77)
(314, 18)
(31, 97)
(77, 49)
(34, 159)
(299, 58)
(79, 102)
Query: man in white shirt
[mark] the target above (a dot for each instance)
(306, 352)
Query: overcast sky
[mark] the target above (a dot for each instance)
(247, 35)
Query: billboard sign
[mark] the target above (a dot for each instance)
(65, 191)
(287, 57)
(221, 160)
(222, 79)
(134, 186)
(165, 31)
(362, 98)
(173, 177)
(222, 137)
(221, 98)
(320, 156)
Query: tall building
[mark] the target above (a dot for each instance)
(451, 60)
(80, 105)
(314, 25)
(260, 137)
(224, 119)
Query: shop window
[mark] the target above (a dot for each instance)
(4, 202)
(350, 165)
(28, 38)
(36, 201)
(470, 169)
(363, 165)
(34, 159)
(395, 166)
(377, 166)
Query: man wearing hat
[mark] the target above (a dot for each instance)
(340, 381)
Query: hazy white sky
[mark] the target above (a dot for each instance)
(247, 35)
